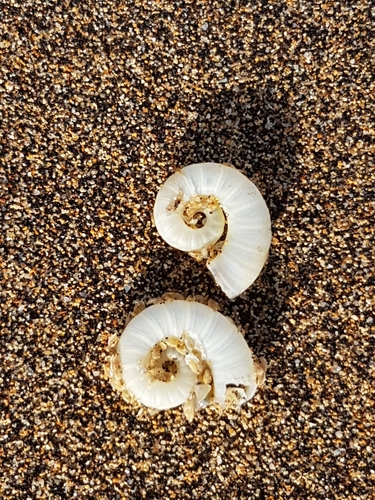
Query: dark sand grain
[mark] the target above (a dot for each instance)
(99, 103)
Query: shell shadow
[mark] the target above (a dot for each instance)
(255, 131)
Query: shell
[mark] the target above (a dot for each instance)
(214, 361)
(191, 211)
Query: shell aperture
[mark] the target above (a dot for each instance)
(191, 209)
(182, 351)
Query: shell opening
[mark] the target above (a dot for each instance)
(198, 208)
(162, 364)
(198, 220)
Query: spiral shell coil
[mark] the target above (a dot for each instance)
(184, 352)
(197, 204)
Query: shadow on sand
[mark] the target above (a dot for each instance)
(254, 131)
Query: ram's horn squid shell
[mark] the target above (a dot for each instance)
(184, 352)
(190, 212)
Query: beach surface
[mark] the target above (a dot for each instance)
(100, 102)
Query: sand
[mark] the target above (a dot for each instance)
(99, 103)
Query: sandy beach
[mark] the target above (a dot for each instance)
(100, 102)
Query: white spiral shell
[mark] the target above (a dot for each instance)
(192, 335)
(218, 191)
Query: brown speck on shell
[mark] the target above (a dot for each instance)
(100, 102)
